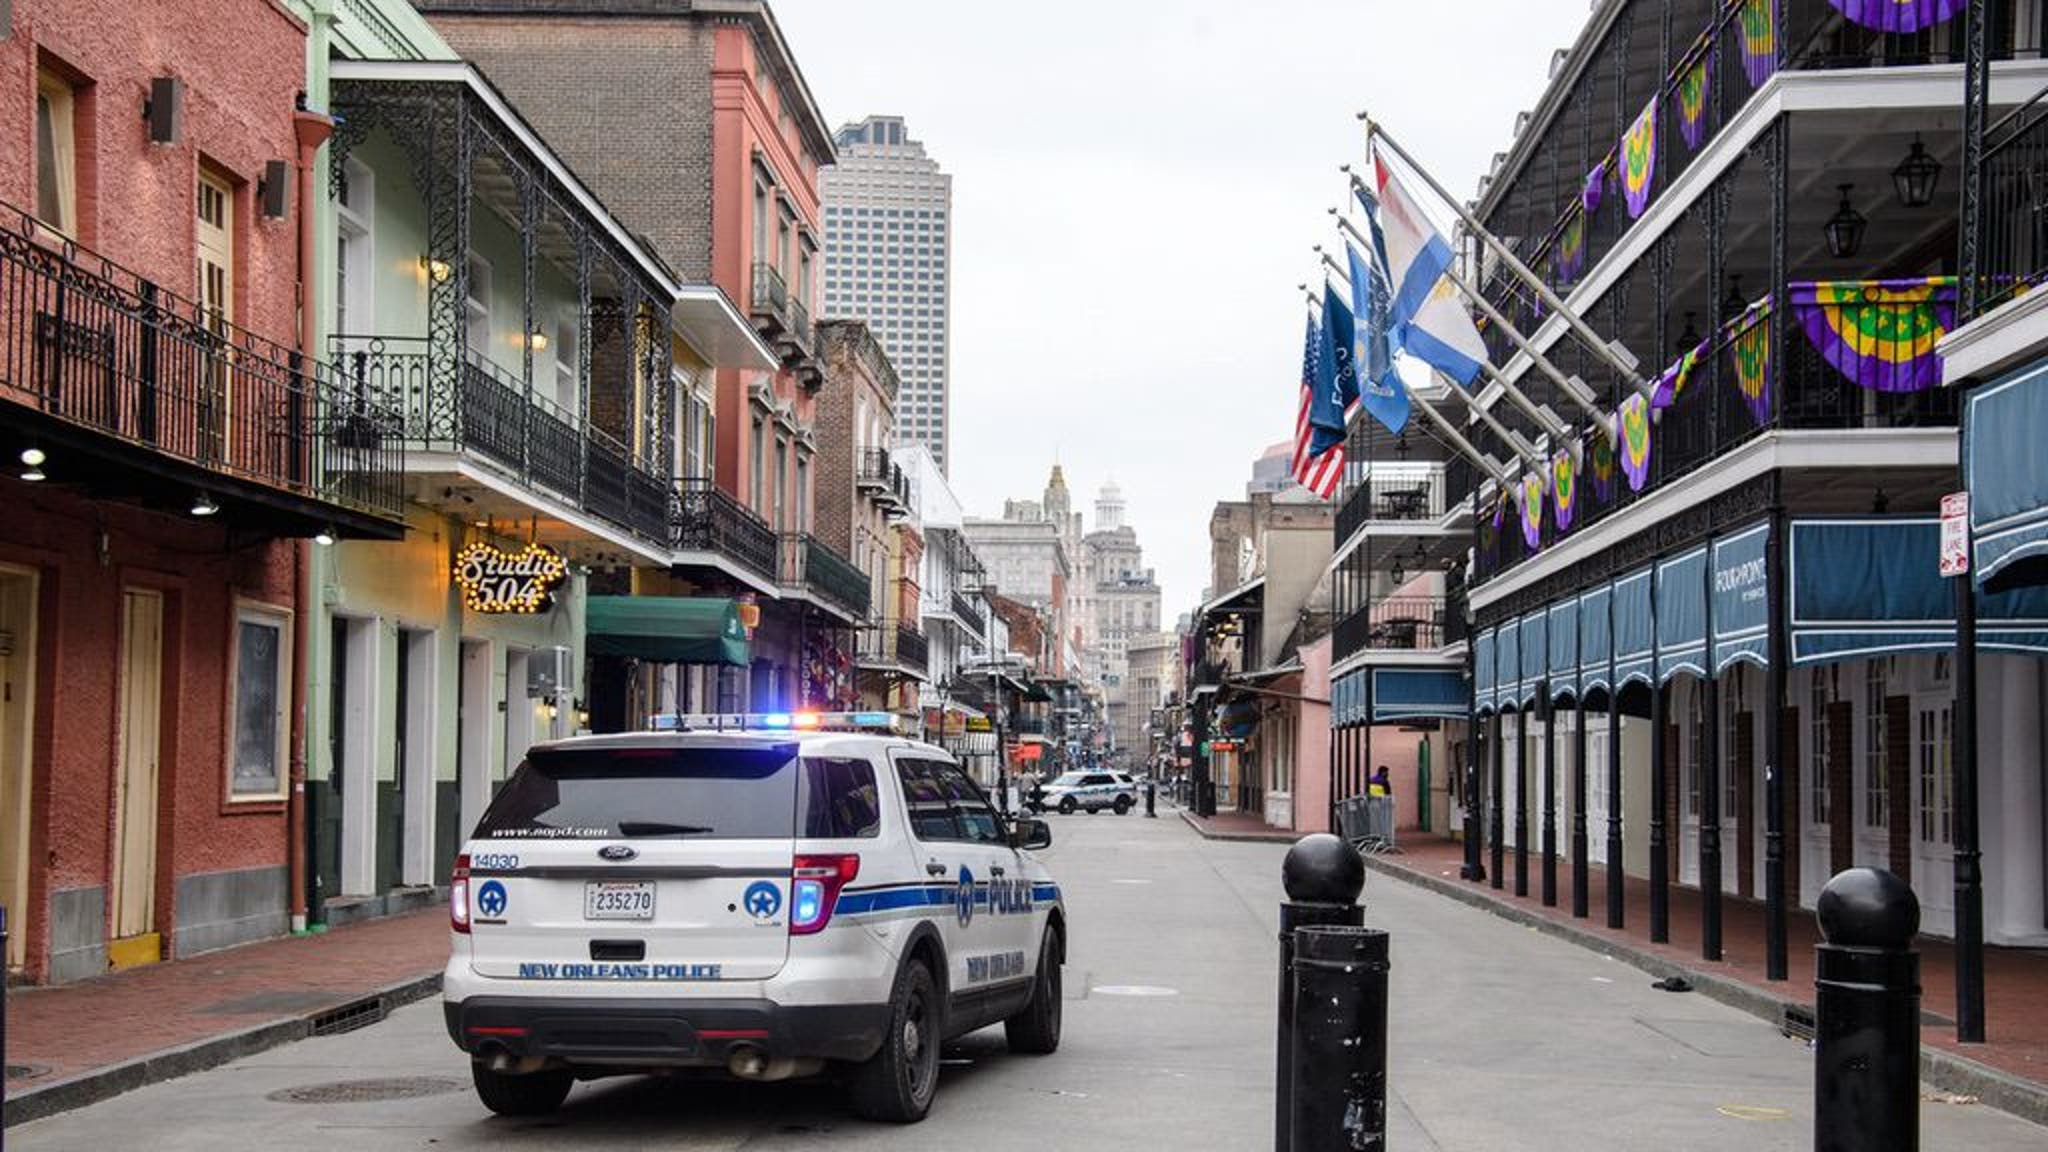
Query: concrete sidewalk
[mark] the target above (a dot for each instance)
(72, 1045)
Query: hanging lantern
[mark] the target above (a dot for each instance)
(1845, 228)
(1688, 339)
(1735, 303)
(1915, 177)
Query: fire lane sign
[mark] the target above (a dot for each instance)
(1955, 534)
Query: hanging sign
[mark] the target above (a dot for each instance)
(495, 581)
(1955, 534)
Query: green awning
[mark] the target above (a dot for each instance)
(667, 629)
(1036, 693)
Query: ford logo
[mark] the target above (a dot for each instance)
(617, 852)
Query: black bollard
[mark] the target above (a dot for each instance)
(1866, 1081)
(1323, 876)
(1151, 799)
(1340, 1039)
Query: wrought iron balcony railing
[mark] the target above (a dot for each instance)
(1398, 497)
(968, 610)
(2012, 253)
(1398, 623)
(897, 645)
(89, 343)
(810, 565)
(913, 648)
(491, 414)
(801, 335)
(873, 468)
(706, 519)
(771, 299)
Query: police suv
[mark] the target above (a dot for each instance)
(764, 897)
(1090, 792)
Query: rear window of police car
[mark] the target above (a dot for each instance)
(762, 793)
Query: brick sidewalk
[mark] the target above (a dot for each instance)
(92, 1039)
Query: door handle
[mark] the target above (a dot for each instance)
(934, 868)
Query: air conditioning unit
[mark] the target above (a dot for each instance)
(550, 672)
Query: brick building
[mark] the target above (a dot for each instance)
(715, 93)
(159, 422)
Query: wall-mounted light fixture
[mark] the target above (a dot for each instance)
(1845, 228)
(165, 109)
(32, 464)
(437, 270)
(1915, 177)
(538, 341)
(203, 505)
(273, 191)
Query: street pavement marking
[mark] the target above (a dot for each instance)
(1134, 990)
(1753, 1112)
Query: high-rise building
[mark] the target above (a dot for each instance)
(888, 245)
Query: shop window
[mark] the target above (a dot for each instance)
(262, 660)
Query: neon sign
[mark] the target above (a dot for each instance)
(495, 581)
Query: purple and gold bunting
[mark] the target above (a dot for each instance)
(1639, 159)
(1595, 186)
(1759, 41)
(1571, 249)
(1674, 378)
(1881, 334)
(1750, 349)
(1532, 509)
(1692, 100)
(1903, 16)
(1634, 419)
(1602, 453)
(1564, 488)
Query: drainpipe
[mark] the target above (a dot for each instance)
(312, 130)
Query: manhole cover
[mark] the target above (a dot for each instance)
(1133, 990)
(367, 1091)
(26, 1071)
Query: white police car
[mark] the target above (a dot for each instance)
(810, 894)
(1089, 792)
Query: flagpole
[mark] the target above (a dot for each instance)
(1549, 422)
(1573, 390)
(1551, 300)
(1450, 432)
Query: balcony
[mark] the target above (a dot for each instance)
(491, 415)
(967, 610)
(894, 648)
(1396, 624)
(883, 481)
(2012, 256)
(705, 519)
(1403, 499)
(136, 393)
(770, 309)
(810, 566)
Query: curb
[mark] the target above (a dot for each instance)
(1277, 836)
(97, 1084)
(1941, 1068)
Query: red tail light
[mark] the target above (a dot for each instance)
(458, 895)
(815, 890)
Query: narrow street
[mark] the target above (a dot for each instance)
(1503, 1039)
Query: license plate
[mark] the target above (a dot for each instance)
(618, 900)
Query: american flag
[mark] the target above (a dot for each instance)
(1318, 474)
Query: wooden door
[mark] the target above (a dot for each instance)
(17, 697)
(135, 780)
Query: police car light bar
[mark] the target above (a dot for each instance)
(887, 723)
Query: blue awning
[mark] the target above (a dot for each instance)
(1634, 630)
(1507, 660)
(1564, 649)
(2006, 471)
(1417, 693)
(1596, 636)
(1742, 605)
(1871, 586)
(1482, 671)
(1535, 637)
(1682, 615)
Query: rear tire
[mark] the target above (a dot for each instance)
(1123, 805)
(1036, 1030)
(531, 1094)
(1067, 805)
(897, 1083)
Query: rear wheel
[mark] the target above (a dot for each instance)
(1123, 805)
(1036, 1030)
(1067, 805)
(511, 1094)
(897, 1083)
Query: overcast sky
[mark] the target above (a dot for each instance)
(1136, 187)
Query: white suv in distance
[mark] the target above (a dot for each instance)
(761, 904)
(1089, 792)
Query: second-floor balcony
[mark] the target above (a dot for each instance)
(2012, 256)
(136, 393)
(883, 481)
(1397, 623)
(489, 414)
(706, 520)
(811, 567)
(895, 647)
(967, 609)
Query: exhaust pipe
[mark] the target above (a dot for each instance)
(749, 1062)
(500, 1059)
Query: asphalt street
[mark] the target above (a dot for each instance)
(1501, 1038)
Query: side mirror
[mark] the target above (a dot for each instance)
(1028, 833)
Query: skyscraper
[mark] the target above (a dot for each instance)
(888, 247)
